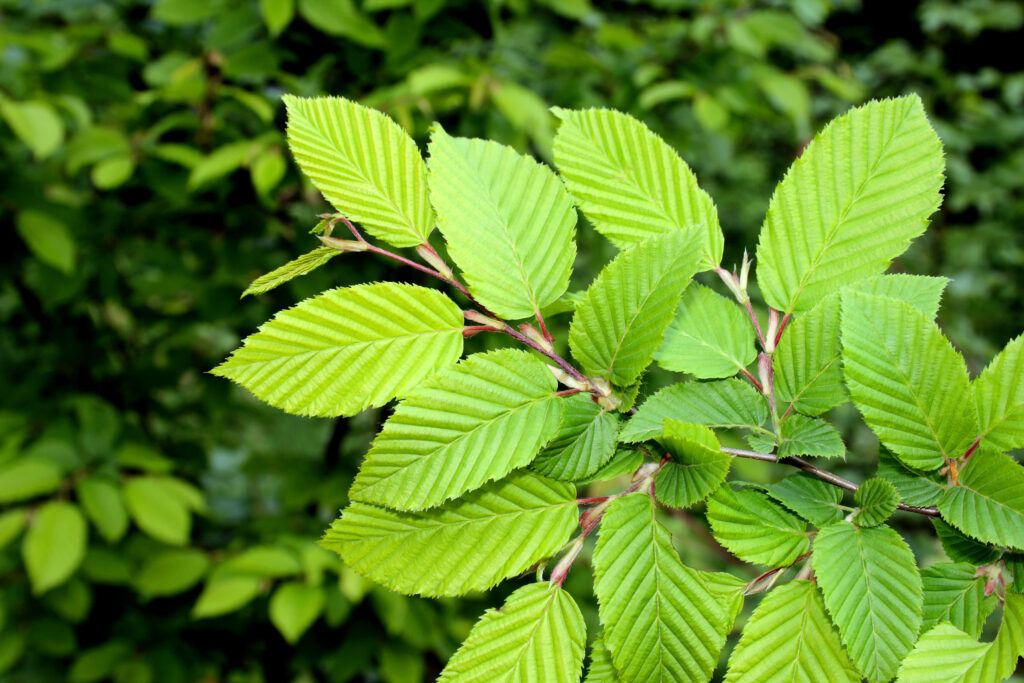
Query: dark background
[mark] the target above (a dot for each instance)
(145, 181)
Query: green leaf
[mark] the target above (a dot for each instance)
(98, 663)
(755, 528)
(790, 638)
(709, 338)
(807, 365)
(306, 263)
(225, 594)
(221, 163)
(12, 522)
(49, 239)
(265, 561)
(585, 441)
(661, 622)
(622, 463)
(343, 18)
(876, 499)
(468, 544)
(54, 545)
(471, 424)
(861, 191)
(632, 185)
(601, 669)
(365, 165)
(955, 593)
(101, 499)
(946, 654)
(802, 435)
(26, 478)
(959, 548)
(916, 488)
(157, 509)
(36, 123)
(731, 403)
(294, 607)
(621, 320)
(171, 572)
(811, 498)
(989, 502)
(697, 468)
(348, 349)
(508, 221)
(277, 14)
(537, 635)
(872, 589)
(999, 393)
(906, 379)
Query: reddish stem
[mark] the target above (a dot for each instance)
(756, 383)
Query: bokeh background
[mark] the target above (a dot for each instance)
(145, 181)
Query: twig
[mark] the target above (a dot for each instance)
(821, 474)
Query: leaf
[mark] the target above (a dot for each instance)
(585, 441)
(12, 522)
(906, 379)
(872, 589)
(103, 504)
(294, 607)
(755, 529)
(955, 593)
(661, 622)
(622, 463)
(49, 239)
(54, 545)
(468, 544)
(802, 435)
(36, 123)
(731, 403)
(157, 509)
(790, 638)
(343, 18)
(945, 654)
(631, 184)
(709, 338)
(277, 14)
(959, 548)
(537, 635)
(225, 594)
(621, 320)
(861, 191)
(999, 392)
(989, 502)
(26, 478)
(508, 221)
(171, 572)
(601, 669)
(812, 499)
(365, 165)
(302, 265)
(348, 349)
(471, 424)
(915, 488)
(877, 499)
(807, 365)
(697, 468)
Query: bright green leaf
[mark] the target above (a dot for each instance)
(876, 500)
(860, 192)
(811, 498)
(959, 548)
(294, 607)
(469, 544)
(661, 622)
(49, 239)
(306, 263)
(171, 572)
(709, 338)
(755, 528)
(585, 441)
(600, 669)
(36, 123)
(1000, 397)
(348, 349)
(955, 593)
(697, 467)
(872, 590)
(906, 379)
(537, 635)
(365, 165)
(225, 594)
(731, 403)
(916, 488)
(989, 502)
(471, 424)
(790, 638)
(54, 546)
(621, 320)
(277, 14)
(157, 509)
(26, 478)
(12, 522)
(101, 499)
(508, 222)
(631, 184)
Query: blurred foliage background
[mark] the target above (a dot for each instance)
(156, 524)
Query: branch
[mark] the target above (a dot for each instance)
(821, 474)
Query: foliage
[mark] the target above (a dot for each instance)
(145, 184)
